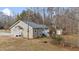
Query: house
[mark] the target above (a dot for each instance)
(27, 29)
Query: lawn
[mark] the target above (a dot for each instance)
(22, 44)
(6, 31)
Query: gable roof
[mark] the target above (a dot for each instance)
(32, 24)
(14, 24)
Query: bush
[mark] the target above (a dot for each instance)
(57, 39)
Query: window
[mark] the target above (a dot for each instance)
(40, 34)
(20, 27)
(35, 30)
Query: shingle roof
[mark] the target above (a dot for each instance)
(34, 25)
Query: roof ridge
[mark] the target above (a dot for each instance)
(30, 23)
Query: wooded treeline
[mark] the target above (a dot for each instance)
(66, 18)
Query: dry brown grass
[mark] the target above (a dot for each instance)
(21, 44)
(71, 37)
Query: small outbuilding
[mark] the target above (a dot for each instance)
(59, 31)
(27, 29)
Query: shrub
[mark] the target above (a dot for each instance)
(57, 39)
